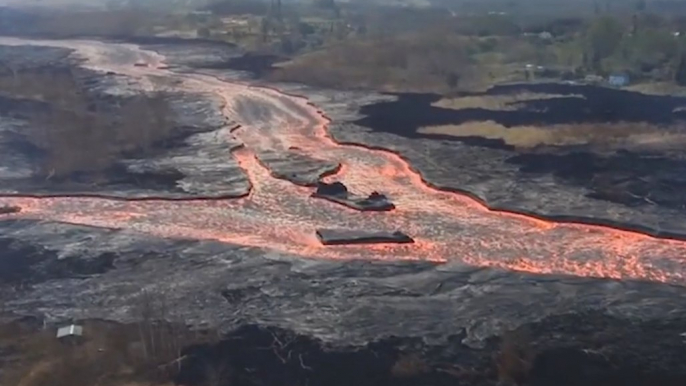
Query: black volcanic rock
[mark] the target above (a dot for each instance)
(337, 192)
(334, 189)
(342, 236)
(8, 209)
(296, 167)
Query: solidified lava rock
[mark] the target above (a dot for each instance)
(9, 209)
(296, 167)
(341, 236)
(337, 192)
(334, 189)
(316, 317)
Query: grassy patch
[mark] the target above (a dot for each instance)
(624, 135)
(495, 102)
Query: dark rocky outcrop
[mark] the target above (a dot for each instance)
(296, 167)
(338, 193)
(342, 236)
(9, 209)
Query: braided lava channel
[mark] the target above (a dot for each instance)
(280, 216)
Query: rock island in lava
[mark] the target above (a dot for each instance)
(338, 192)
(182, 181)
(338, 237)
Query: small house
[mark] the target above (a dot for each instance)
(618, 80)
(72, 334)
(545, 35)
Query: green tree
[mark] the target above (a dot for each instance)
(603, 37)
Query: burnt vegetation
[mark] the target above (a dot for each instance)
(148, 352)
(160, 350)
(74, 131)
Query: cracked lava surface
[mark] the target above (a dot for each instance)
(278, 215)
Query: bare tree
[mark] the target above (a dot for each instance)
(144, 312)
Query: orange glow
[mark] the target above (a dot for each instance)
(280, 216)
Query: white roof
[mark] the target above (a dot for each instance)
(71, 330)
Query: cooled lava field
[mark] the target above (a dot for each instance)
(321, 212)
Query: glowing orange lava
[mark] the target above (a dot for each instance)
(280, 216)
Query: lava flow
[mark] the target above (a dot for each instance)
(280, 216)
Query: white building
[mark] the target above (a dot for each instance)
(70, 334)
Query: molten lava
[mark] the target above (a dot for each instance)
(280, 216)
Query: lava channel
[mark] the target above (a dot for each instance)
(280, 216)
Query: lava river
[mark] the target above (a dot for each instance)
(280, 216)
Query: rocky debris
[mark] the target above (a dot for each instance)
(343, 236)
(205, 164)
(337, 192)
(333, 189)
(295, 167)
(9, 209)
